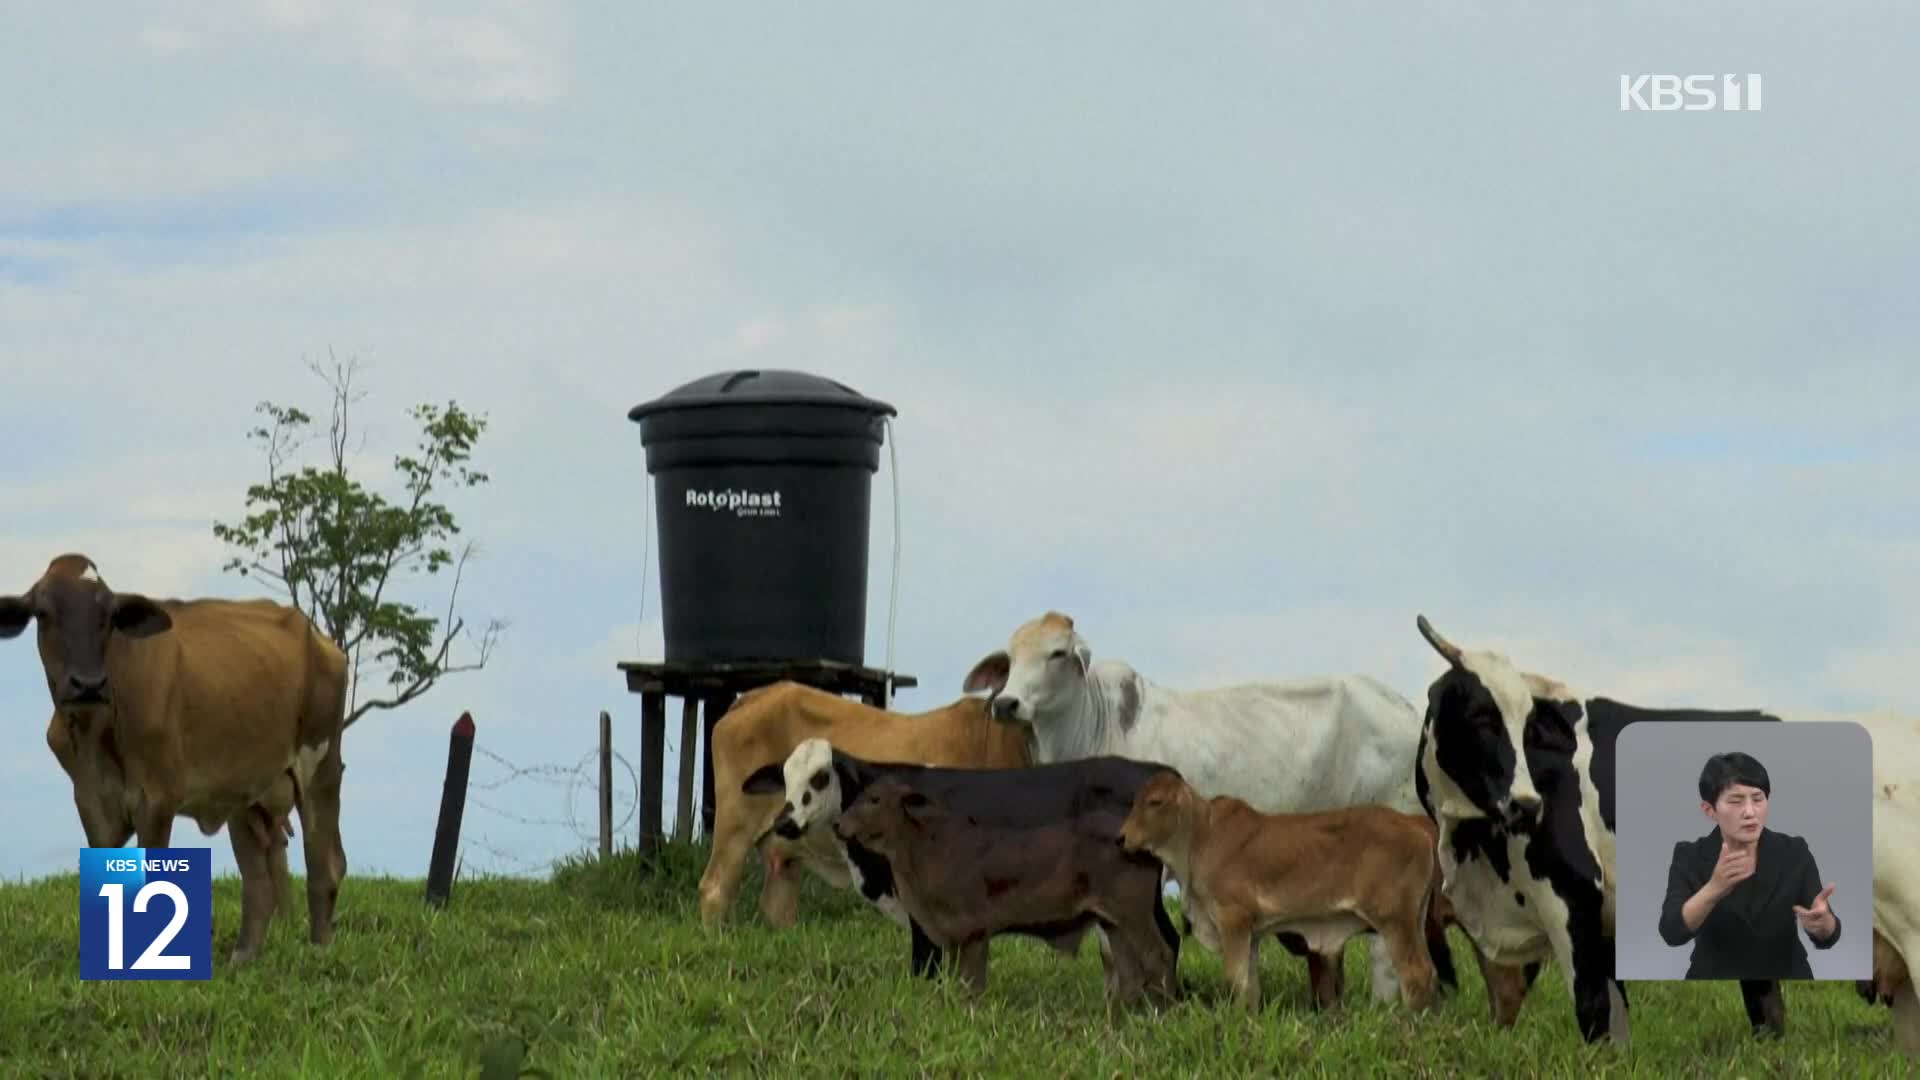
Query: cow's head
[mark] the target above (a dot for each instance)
(1476, 722)
(1042, 670)
(1162, 815)
(811, 784)
(77, 616)
(884, 817)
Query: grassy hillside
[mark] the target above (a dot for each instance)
(607, 972)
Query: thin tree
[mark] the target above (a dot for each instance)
(338, 550)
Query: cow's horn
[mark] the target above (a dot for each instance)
(1441, 645)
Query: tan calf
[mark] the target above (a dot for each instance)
(1325, 876)
(764, 726)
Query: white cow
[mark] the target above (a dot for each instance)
(1285, 747)
(1896, 869)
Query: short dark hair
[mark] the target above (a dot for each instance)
(1722, 771)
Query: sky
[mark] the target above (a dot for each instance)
(1240, 333)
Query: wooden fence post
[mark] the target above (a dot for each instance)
(653, 767)
(606, 784)
(453, 804)
(683, 792)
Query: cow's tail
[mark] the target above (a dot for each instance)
(1435, 926)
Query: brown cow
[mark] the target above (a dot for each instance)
(225, 711)
(1326, 876)
(965, 883)
(766, 724)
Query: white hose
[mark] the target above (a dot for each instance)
(893, 592)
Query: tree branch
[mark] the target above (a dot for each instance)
(438, 667)
(342, 549)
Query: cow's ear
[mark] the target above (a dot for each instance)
(15, 613)
(136, 616)
(989, 674)
(1083, 652)
(915, 805)
(766, 780)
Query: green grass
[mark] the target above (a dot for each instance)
(606, 971)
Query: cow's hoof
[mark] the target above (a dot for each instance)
(240, 958)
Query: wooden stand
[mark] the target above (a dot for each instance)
(717, 685)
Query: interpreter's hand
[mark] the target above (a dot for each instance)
(1734, 867)
(1817, 918)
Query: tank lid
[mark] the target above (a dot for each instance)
(759, 386)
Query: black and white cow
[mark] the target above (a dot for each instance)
(820, 781)
(1518, 773)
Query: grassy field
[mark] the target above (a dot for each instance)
(605, 971)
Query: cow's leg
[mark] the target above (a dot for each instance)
(326, 856)
(1407, 946)
(1384, 975)
(154, 827)
(726, 865)
(1240, 955)
(1440, 954)
(1164, 924)
(270, 832)
(1618, 1016)
(1507, 986)
(780, 894)
(925, 960)
(1766, 1007)
(1324, 971)
(1124, 978)
(972, 963)
(98, 792)
(1906, 1019)
(256, 885)
(1142, 947)
(1585, 953)
(1169, 978)
(282, 878)
(1328, 980)
(1108, 967)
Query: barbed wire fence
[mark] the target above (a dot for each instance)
(569, 785)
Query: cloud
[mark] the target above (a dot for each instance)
(167, 40)
(758, 334)
(473, 58)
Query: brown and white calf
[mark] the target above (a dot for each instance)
(1326, 876)
(965, 883)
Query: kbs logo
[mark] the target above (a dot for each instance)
(1689, 93)
(739, 503)
(150, 906)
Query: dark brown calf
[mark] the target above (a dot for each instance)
(1325, 876)
(964, 883)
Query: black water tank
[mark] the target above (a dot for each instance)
(762, 489)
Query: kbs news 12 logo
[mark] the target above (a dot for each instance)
(146, 913)
(1689, 93)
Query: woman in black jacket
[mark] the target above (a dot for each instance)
(1741, 892)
